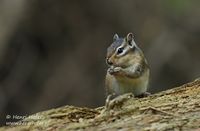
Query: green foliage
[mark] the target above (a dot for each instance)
(177, 6)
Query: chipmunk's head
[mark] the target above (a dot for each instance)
(123, 51)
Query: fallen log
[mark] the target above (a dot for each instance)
(174, 109)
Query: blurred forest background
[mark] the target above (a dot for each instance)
(52, 53)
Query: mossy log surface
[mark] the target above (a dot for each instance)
(174, 109)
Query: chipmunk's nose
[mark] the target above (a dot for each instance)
(108, 61)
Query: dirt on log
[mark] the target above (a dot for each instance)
(174, 109)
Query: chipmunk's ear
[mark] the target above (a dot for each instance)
(129, 39)
(115, 37)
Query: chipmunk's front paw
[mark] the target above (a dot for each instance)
(114, 70)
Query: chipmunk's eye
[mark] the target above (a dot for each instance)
(120, 50)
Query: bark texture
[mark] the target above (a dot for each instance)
(174, 109)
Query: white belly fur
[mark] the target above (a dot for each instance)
(137, 86)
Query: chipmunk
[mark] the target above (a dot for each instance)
(128, 70)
